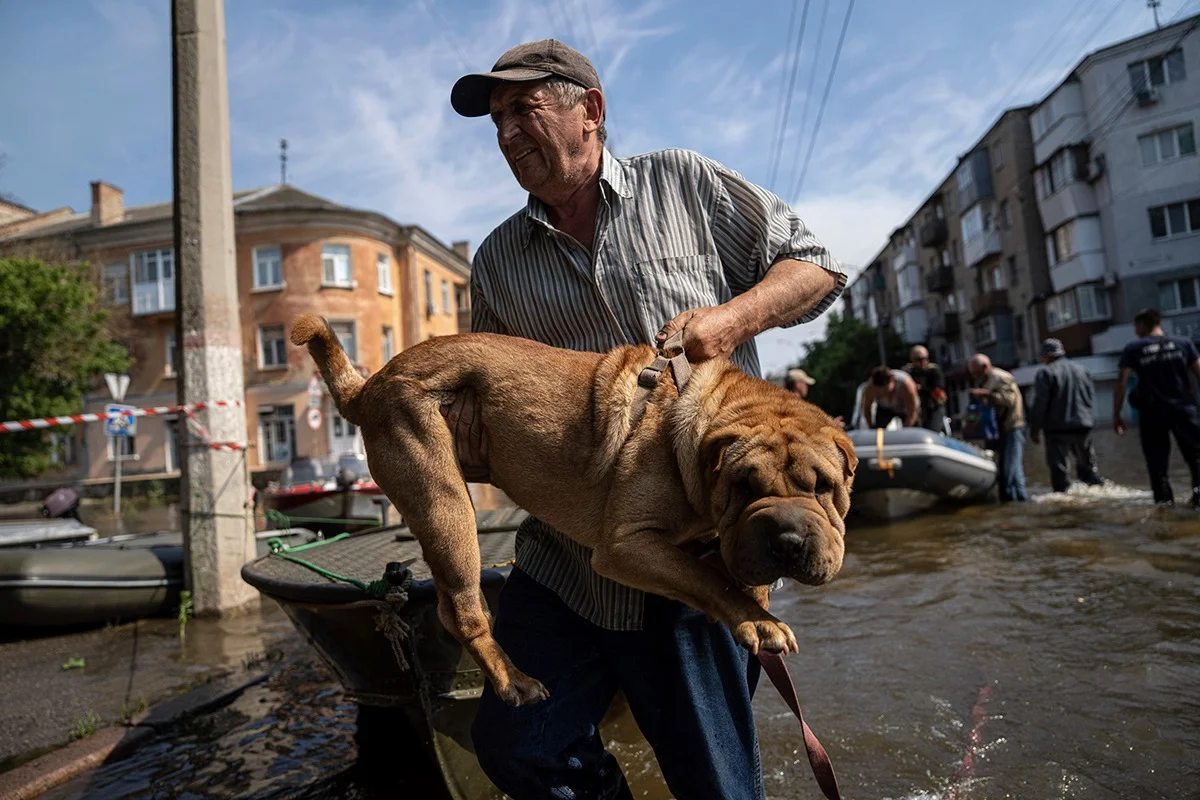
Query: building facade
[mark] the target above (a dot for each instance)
(382, 285)
(967, 272)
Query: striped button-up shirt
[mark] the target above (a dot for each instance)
(674, 231)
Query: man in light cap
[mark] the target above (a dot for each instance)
(1063, 400)
(797, 382)
(609, 252)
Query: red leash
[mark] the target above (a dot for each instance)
(773, 664)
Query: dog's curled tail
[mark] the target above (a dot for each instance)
(343, 380)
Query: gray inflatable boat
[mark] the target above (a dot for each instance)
(909, 470)
(103, 580)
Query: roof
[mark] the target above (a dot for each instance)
(281, 197)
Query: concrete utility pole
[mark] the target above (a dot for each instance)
(215, 490)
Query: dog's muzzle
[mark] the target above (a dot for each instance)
(788, 539)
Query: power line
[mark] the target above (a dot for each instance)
(786, 108)
(788, 49)
(824, 99)
(812, 82)
(587, 21)
(431, 9)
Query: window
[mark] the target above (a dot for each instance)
(169, 361)
(462, 298)
(1169, 144)
(1175, 219)
(938, 211)
(985, 331)
(963, 176)
(430, 310)
(268, 268)
(116, 284)
(1044, 118)
(1179, 295)
(154, 281)
(993, 278)
(389, 343)
(335, 266)
(1060, 311)
(447, 309)
(945, 257)
(383, 269)
(272, 347)
(126, 444)
(1014, 278)
(1005, 215)
(998, 157)
(276, 433)
(62, 448)
(345, 334)
(1158, 71)
(1060, 244)
(1093, 302)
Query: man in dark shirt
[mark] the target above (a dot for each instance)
(1165, 400)
(931, 388)
(1064, 395)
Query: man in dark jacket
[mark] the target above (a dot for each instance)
(931, 387)
(1062, 407)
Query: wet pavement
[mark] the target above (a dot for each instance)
(1047, 650)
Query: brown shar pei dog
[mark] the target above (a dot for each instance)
(733, 457)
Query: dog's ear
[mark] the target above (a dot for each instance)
(847, 447)
(713, 452)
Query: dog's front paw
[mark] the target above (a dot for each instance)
(521, 690)
(770, 635)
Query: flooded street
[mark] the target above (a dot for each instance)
(1048, 650)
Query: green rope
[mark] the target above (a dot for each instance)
(376, 590)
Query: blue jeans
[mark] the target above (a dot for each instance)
(688, 683)
(1010, 450)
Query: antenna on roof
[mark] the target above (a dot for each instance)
(283, 161)
(1154, 4)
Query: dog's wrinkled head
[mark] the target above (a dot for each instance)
(779, 484)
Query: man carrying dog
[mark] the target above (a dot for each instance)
(608, 252)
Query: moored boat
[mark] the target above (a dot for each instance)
(412, 679)
(117, 578)
(904, 471)
(335, 493)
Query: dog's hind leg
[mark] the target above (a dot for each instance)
(412, 459)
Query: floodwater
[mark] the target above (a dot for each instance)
(1046, 650)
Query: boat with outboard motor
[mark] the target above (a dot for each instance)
(903, 471)
(332, 494)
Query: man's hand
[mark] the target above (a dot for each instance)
(712, 332)
(841, 423)
(470, 437)
(1118, 425)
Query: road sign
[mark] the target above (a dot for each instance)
(119, 425)
(117, 384)
(314, 393)
(314, 418)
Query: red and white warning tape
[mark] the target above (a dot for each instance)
(201, 433)
(72, 419)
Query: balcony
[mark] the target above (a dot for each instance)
(974, 178)
(985, 244)
(934, 234)
(153, 297)
(1076, 199)
(1079, 268)
(990, 302)
(905, 254)
(940, 280)
(946, 326)
(1064, 122)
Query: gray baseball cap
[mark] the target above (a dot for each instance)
(532, 61)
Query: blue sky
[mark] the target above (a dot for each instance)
(360, 90)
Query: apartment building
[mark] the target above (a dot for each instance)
(966, 272)
(1118, 182)
(383, 286)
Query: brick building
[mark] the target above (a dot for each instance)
(383, 285)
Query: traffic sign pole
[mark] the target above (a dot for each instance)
(118, 456)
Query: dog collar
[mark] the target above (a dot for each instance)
(649, 377)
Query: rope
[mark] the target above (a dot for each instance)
(376, 590)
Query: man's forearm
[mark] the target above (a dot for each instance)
(788, 291)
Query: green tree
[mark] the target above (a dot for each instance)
(54, 344)
(844, 359)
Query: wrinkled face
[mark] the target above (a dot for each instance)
(781, 491)
(540, 140)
